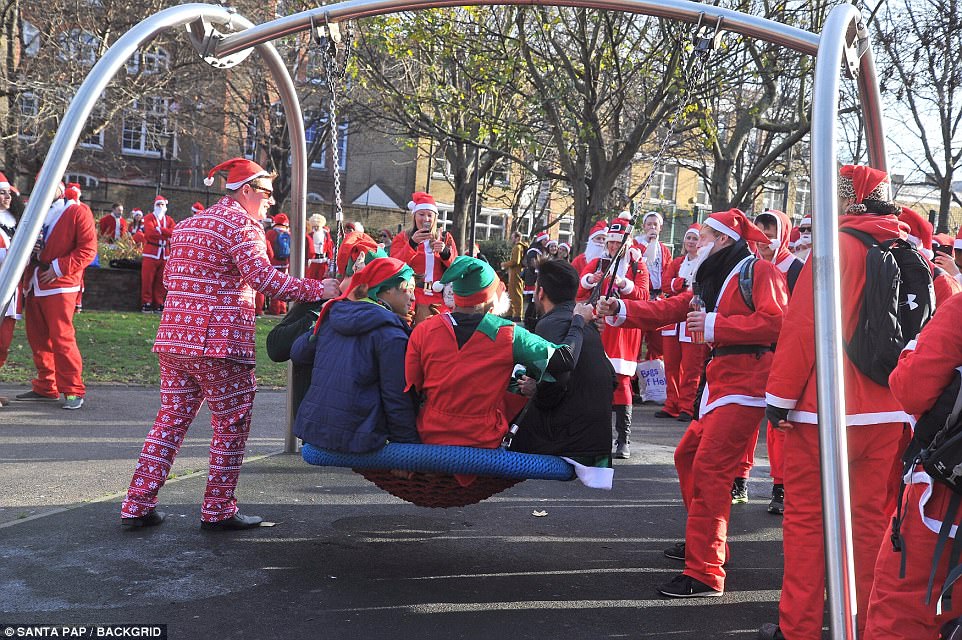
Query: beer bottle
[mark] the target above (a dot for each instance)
(696, 304)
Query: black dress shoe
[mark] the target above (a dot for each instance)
(152, 519)
(684, 417)
(234, 523)
(770, 631)
(663, 414)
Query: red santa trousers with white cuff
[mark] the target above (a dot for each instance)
(229, 387)
(684, 364)
(152, 281)
(50, 332)
(6, 337)
(732, 405)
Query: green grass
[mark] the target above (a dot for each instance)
(116, 349)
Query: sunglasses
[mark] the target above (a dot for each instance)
(268, 193)
(804, 229)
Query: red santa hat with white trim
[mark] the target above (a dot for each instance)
(240, 171)
(196, 208)
(72, 192)
(736, 225)
(566, 246)
(136, 212)
(600, 228)
(421, 201)
(920, 231)
(543, 238)
(4, 183)
(161, 200)
(661, 220)
(694, 229)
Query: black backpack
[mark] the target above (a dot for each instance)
(897, 301)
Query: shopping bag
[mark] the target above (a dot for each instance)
(651, 374)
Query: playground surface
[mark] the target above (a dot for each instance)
(543, 559)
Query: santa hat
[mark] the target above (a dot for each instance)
(600, 228)
(72, 192)
(734, 224)
(160, 200)
(474, 282)
(860, 183)
(421, 201)
(281, 218)
(136, 212)
(617, 230)
(240, 171)
(661, 220)
(625, 215)
(355, 245)
(565, 245)
(807, 220)
(920, 231)
(694, 229)
(318, 219)
(4, 183)
(196, 207)
(542, 237)
(358, 226)
(552, 242)
(943, 239)
(793, 237)
(378, 274)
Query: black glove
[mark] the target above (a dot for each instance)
(775, 414)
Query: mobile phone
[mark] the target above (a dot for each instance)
(943, 248)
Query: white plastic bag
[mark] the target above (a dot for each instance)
(651, 373)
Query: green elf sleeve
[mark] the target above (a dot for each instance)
(533, 352)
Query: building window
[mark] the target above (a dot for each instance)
(29, 112)
(773, 196)
(31, 39)
(489, 226)
(321, 162)
(664, 181)
(803, 198)
(78, 45)
(85, 180)
(500, 173)
(145, 126)
(94, 141)
(440, 167)
(149, 61)
(702, 197)
(566, 229)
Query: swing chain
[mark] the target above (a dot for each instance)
(706, 41)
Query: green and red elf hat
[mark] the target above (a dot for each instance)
(354, 246)
(378, 274)
(474, 282)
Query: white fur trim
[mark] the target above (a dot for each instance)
(586, 284)
(781, 403)
(625, 215)
(928, 253)
(209, 181)
(914, 240)
(910, 345)
(720, 228)
(958, 278)
(55, 265)
(619, 318)
(853, 419)
(742, 400)
(422, 206)
(957, 244)
(237, 185)
(628, 287)
(624, 367)
(661, 220)
(710, 326)
(437, 286)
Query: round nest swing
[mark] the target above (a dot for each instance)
(434, 468)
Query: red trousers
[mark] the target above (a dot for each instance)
(871, 449)
(316, 271)
(622, 393)
(185, 383)
(707, 458)
(897, 609)
(152, 281)
(653, 345)
(776, 453)
(259, 300)
(6, 337)
(684, 363)
(49, 324)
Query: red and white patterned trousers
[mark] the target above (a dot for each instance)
(185, 383)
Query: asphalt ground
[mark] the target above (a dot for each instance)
(346, 560)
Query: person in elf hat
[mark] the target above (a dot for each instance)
(113, 226)
(459, 363)
(595, 248)
(357, 400)
(778, 227)
(205, 344)
(513, 266)
(428, 248)
(731, 403)
(684, 359)
(158, 226)
(52, 283)
(621, 344)
(920, 235)
(564, 252)
(873, 415)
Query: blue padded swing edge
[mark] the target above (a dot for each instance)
(433, 458)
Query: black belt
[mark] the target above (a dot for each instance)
(742, 349)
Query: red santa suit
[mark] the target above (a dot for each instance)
(658, 260)
(920, 234)
(323, 251)
(69, 245)
(896, 608)
(684, 359)
(732, 401)
(10, 313)
(113, 227)
(205, 344)
(595, 247)
(277, 306)
(428, 264)
(873, 416)
(621, 344)
(158, 227)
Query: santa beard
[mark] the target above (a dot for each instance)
(593, 251)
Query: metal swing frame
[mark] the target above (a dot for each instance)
(224, 38)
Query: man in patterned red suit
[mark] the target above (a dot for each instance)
(428, 249)
(732, 401)
(157, 229)
(52, 284)
(205, 344)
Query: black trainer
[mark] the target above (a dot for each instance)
(147, 308)
(684, 416)
(682, 586)
(740, 491)
(661, 413)
(676, 551)
(777, 505)
(770, 631)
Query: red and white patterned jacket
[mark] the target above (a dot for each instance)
(217, 259)
(70, 244)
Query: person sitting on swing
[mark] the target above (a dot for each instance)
(428, 249)
(357, 400)
(460, 362)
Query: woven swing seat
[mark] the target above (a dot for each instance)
(434, 466)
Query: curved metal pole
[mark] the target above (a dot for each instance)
(681, 10)
(836, 507)
(73, 123)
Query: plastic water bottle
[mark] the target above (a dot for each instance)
(696, 304)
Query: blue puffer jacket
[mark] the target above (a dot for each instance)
(356, 400)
